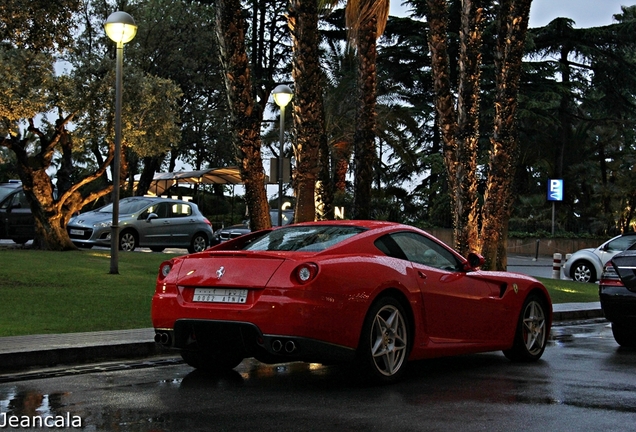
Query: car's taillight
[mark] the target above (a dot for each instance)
(609, 272)
(610, 277)
(164, 269)
(207, 221)
(305, 273)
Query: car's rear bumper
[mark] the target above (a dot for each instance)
(618, 303)
(248, 340)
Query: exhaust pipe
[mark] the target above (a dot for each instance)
(277, 345)
(162, 338)
(290, 347)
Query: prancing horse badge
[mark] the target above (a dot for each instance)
(220, 272)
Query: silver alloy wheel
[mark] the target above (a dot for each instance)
(534, 327)
(199, 243)
(582, 272)
(127, 241)
(389, 340)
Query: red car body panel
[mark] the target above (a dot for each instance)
(451, 312)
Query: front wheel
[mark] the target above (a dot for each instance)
(198, 244)
(385, 341)
(624, 335)
(583, 271)
(531, 335)
(127, 241)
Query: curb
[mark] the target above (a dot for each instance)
(25, 352)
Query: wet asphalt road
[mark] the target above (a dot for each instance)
(584, 382)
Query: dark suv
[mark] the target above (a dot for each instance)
(16, 220)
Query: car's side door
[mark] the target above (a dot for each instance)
(457, 307)
(17, 218)
(155, 231)
(183, 224)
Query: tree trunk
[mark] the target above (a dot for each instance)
(364, 136)
(246, 114)
(498, 200)
(308, 112)
(51, 214)
(459, 128)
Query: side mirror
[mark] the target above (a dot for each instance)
(474, 261)
(152, 216)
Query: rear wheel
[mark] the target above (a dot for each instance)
(199, 243)
(127, 241)
(624, 335)
(385, 341)
(531, 334)
(583, 271)
(210, 361)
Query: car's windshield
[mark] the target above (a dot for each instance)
(127, 206)
(303, 238)
(4, 191)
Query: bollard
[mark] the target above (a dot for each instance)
(536, 253)
(556, 266)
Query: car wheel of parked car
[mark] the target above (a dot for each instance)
(210, 361)
(531, 334)
(127, 241)
(199, 243)
(624, 335)
(385, 341)
(583, 271)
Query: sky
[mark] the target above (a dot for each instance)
(585, 13)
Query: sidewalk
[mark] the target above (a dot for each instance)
(23, 352)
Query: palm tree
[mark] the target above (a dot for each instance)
(308, 109)
(246, 114)
(366, 20)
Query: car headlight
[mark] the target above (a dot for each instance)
(103, 224)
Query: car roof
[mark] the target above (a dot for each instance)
(12, 184)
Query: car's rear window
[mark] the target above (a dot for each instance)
(313, 238)
(5, 191)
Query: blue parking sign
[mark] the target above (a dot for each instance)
(555, 190)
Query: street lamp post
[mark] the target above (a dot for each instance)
(121, 29)
(282, 95)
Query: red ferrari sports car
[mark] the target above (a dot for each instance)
(372, 293)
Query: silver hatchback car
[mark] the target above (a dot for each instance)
(156, 223)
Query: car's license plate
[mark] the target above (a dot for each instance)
(76, 232)
(220, 295)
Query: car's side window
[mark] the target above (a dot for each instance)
(21, 198)
(621, 243)
(419, 249)
(181, 210)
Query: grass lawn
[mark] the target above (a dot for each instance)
(63, 292)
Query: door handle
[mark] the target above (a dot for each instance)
(421, 275)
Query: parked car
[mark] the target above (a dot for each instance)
(151, 222)
(586, 265)
(227, 233)
(371, 293)
(16, 220)
(617, 292)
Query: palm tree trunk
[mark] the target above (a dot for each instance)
(364, 136)
(512, 26)
(308, 112)
(246, 114)
(459, 128)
